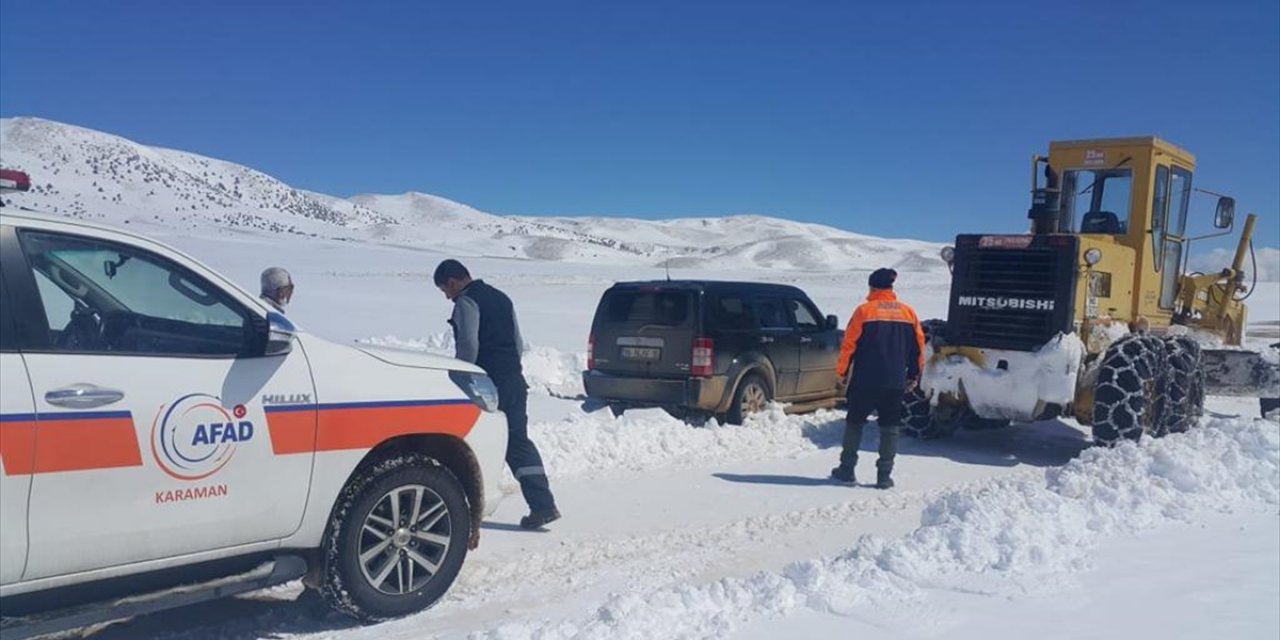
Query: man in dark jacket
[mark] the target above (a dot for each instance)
(486, 333)
(884, 350)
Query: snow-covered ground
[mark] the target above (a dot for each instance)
(672, 531)
(679, 532)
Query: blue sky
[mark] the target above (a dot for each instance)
(901, 118)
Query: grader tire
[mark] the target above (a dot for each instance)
(1184, 387)
(918, 419)
(1128, 400)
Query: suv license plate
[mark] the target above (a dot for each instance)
(641, 353)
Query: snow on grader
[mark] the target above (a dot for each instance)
(1092, 315)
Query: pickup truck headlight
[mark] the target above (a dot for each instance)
(478, 387)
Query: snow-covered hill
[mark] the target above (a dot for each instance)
(97, 176)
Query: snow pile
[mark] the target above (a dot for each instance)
(547, 370)
(441, 343)
(600, 444)
(1047, 375)
(1104, 332)
(1007, 537)
(555, 372)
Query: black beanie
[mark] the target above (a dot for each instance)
(882, 278)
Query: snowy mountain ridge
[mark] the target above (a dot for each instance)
(97, 176)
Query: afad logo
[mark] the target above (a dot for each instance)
(195, 437)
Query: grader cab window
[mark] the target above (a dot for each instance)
(1097, 200)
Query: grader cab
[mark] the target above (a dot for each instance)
(1092, 314)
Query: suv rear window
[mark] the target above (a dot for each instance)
(662, 308)
(733, 312)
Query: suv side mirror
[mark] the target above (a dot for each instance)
(1226, 213)
(833, 322)
(279, 339)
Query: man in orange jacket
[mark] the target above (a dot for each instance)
(883, 349)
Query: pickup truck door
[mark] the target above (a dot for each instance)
(152, 437)
(17, 445)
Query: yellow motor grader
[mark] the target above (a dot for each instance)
(1092, 314)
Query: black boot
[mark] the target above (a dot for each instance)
(843, 474)
(883, 481)
(539, 519)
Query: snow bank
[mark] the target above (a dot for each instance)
(597, 443)
(1047, 375)
(547, 370)
(1006, 537)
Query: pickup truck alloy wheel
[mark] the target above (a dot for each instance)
(404, 540)
(396, 539)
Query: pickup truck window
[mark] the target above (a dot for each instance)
(106, 297)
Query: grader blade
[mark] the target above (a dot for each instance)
(1240, 373)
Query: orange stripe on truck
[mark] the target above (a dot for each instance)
(18, 444)
(68, 442)
(364, 425)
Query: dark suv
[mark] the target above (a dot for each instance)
(703, 348)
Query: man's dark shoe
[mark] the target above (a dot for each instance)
(843, 474)
(883, 481)
(538, 520)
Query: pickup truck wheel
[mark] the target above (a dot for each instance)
(751, 396)
(396, 540)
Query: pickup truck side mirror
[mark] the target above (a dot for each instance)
(833, 322)
(279, 338)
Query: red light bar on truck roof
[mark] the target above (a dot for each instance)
(11, 180)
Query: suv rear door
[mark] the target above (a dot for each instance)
(152, 437)
(779, 340)
(646, 331)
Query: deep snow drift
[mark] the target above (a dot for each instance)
(1006, 538)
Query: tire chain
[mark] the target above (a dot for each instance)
(917, 408)
(1131, 388)
(1184, 389)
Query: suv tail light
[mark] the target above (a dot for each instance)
(591, 352)
(704, 353)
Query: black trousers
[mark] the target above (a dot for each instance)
(887, 403)
(522, 454)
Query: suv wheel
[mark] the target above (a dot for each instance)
(396, 540)
(751, 396)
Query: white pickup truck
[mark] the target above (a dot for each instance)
(166, 438)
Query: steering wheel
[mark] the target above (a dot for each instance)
(115, 329)
(83, 332)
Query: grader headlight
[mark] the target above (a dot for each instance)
(1093, 256)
